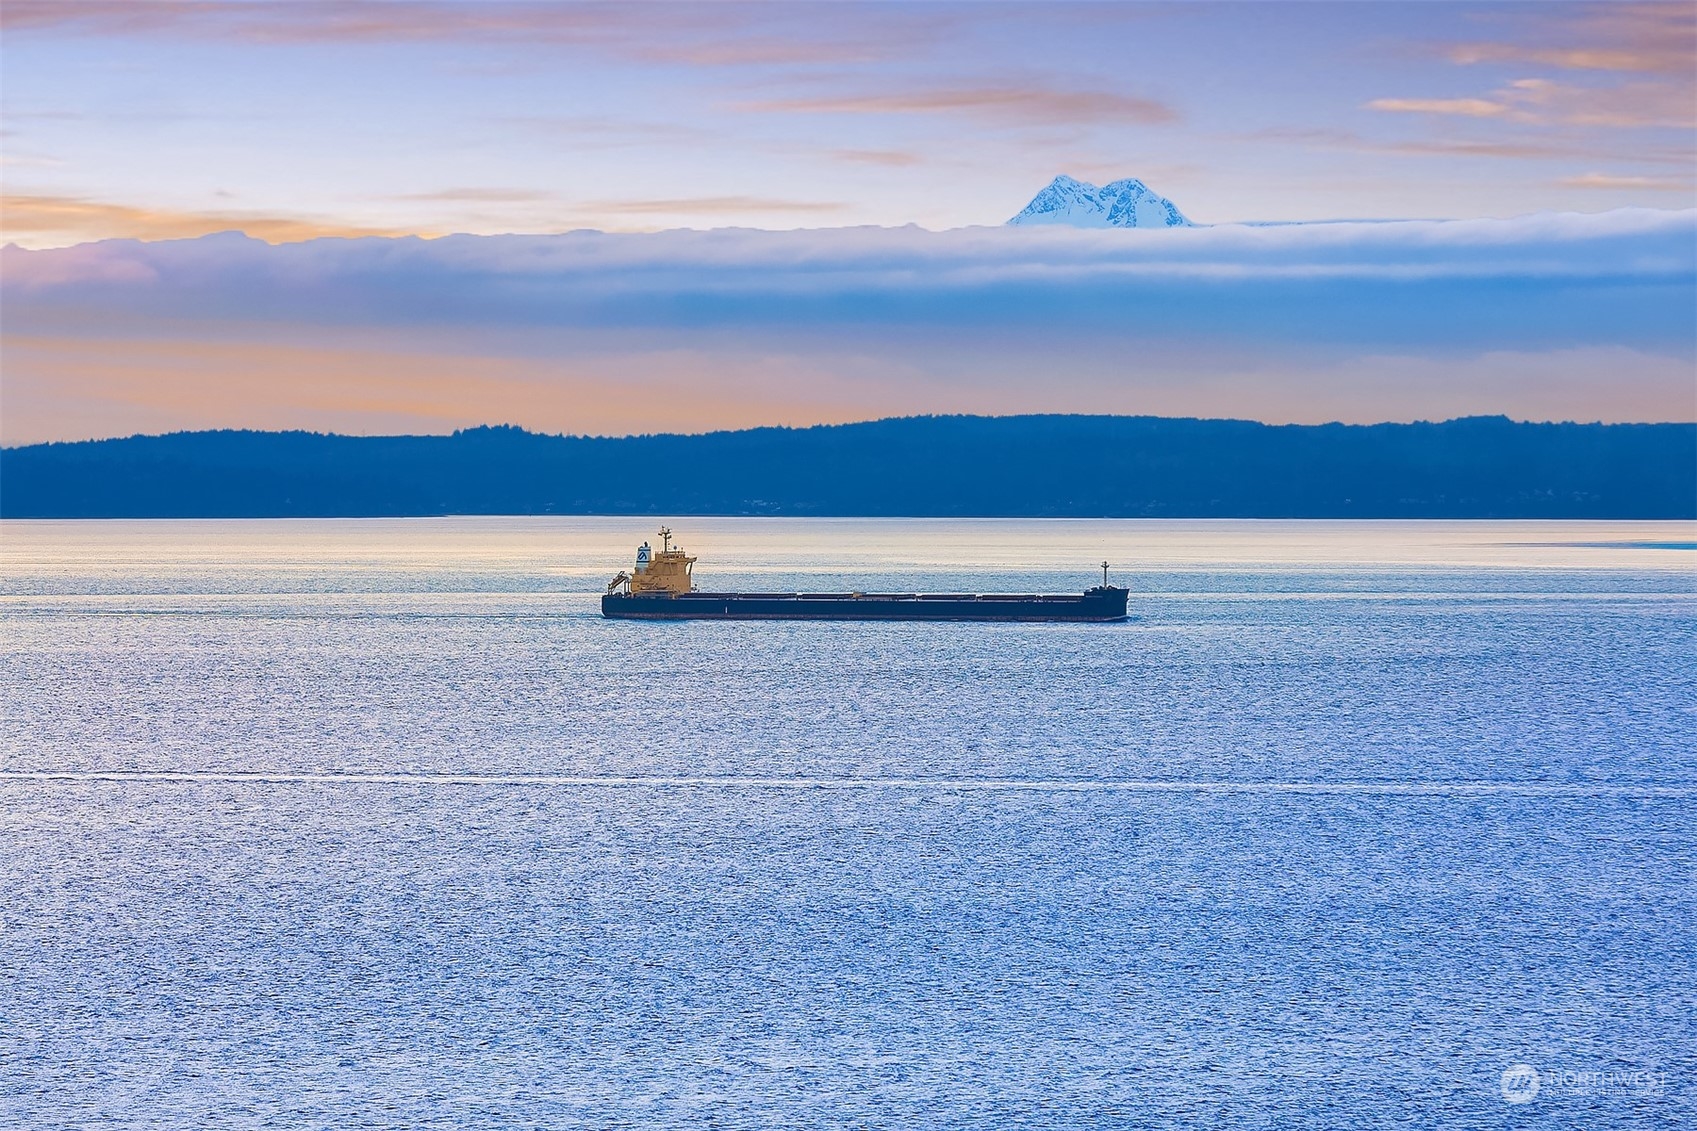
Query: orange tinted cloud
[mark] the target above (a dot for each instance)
(1642, 54)
(716, 205)
(1630, 105)
(1570, 58)
(56, 221)
(1545, 102)
(695, 34)
(1629, 37)
(894, 158)
(68, 219)
(1023, 104)
(1544, 147)
(1464, 107)
(1618, 181)
(342, 20)
(479, 196)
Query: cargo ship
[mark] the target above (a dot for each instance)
(661, 586)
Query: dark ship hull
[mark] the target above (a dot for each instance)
(1101, 603)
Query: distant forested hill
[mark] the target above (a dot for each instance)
(1478, 467)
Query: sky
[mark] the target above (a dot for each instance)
(294, 122)
(130, 118)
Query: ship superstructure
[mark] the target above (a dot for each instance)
(661, 586)
(670, 572)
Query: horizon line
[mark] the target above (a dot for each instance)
(512, 428)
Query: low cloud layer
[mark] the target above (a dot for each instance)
(1554, 316)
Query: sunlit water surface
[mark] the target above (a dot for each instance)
(378, 824)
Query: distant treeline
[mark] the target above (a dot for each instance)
(1478, 467)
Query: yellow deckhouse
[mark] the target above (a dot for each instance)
(669, 571)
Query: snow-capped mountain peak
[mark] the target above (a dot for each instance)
(1127, 203)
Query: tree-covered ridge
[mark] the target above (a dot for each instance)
(1476, 467)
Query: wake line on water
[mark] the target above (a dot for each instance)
(1033, 785)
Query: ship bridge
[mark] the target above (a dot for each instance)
(670, 572)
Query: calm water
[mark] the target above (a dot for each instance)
(377, 824)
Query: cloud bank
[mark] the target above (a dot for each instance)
(1553, 316)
